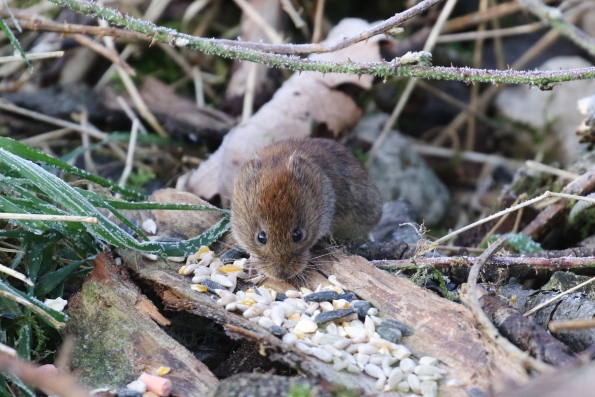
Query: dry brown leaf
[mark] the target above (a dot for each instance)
(306, 99)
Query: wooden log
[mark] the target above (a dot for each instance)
(115, 341)
(443, 329)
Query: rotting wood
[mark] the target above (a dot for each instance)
(175, 291)
(524, 333)
(116, 342)
(443, 329)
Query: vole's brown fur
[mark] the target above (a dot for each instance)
(311, 185)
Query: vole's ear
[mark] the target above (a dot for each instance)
(301, 168)
(249, 174)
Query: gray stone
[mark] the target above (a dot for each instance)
(399, 172)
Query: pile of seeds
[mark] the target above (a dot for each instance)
(328, 323)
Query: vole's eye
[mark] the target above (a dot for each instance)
(262, 238)
(297, 235)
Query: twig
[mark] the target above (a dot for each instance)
(15, 274)
(490, 34)
(250, 92)
(317, 35)
(51, 120)
(295, 16)
(129, 154)
(554, 18)
(104, 52)
(527, 203)
(557, 297)
(54, 218)
(198, 87)
(251, 13)
(506, 262)
(571, 325)
(39, 139)
(60, 384)
(32, 56)
(429, 45)
(487, 326)
(130, 113)
(534, 165)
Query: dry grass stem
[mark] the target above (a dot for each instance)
(32, 56)
(53, 218)
(536, 166)
(15, 274)
(559, 296)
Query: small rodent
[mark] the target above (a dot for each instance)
(295, 192)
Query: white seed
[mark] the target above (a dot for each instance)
(414, 383)
(177, 259)
(226, 300)
(403, 386)
(312, 307)
(340, 304)
(353, 348)
(401, 352)
(329, 339)
(149, 226)
(454, 382)
(231, 307)
(223, 293)
(233, 278)
(186, 270)
(379, 342)
(202, 271)
(376, 359)
(356, 323)
(289, 310)
(331, 328)
(151, 257)
(251, 312)
(303, 347)
(191, 260)
(260, 307)
(372, 312)
(215, 266)
(221, 279)
(333, 280)
(407, 365)
(342, 343)
(318, 288)
(240, 263)
(341, 331)
(199, 279)
(293, 294)
(322, 354)
(309, 342)
(428, 370)
(380, 383)
(298, 304)
(257, 298)
(254, 319)
(434, 378)
(354, 369)
(339, 364)
(369, 327)
(241, 307)
(306, 291)
(349, 358)
(374, 371)
(306, 325)
(137, 385)
(395, 377)
(326, 306)
(332, 350)
(429, 388)
(356, 332)
(387, 363)
(368, 349)
(242, 275)
(362, 358)
(427, 360)
(265, 322)
(241, 295)
(278, 314)
(266, 294)
(289, 324)
(377, 320)
(290, 339)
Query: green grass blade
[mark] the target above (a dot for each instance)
(52, 317)
(49, 281)
(15, 43)
(24, 151)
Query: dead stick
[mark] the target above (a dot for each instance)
(571, 325)
(487, 327)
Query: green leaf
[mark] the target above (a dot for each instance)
(15, 43)
(74, 203)
(520, 242)
(24, 151)
(51, 280)
(24, 343)
(52, 317)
